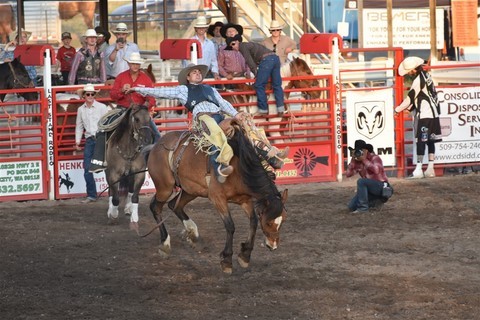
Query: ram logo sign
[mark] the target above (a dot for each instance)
(370, 118)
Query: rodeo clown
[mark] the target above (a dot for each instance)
(208, 109)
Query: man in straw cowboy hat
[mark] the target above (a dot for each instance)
(88, 115)
(121, 49)
(7, 53)
(282, 45)
(133, 77)
(208, 109)
(88, 65)
(423, 101)
(209, 51)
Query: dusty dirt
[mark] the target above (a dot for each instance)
(417, 258)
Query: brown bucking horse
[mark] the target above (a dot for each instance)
(181, 174)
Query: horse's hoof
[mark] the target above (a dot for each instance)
(134, 226)
(112, 221)
(243, 263)
(227, 268)
(164, 251)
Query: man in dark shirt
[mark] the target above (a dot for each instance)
(264, 63)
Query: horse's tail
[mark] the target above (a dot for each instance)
(251, 168)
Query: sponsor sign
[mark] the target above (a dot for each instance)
(410, 28)
(71, 183)
(21, 178)
(370, 118)
(460, 120)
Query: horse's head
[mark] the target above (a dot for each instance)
(20, 79)
(140, 124)
(272, 214)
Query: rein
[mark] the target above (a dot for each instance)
(15, 78)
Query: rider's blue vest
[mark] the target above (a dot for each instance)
(198, 93)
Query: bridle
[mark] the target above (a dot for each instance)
(136, 135)
(16, 80)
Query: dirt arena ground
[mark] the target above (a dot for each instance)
(417, 258)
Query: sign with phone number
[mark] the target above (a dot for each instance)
(20, 178)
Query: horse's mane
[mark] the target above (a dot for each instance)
(301, 65)
(124, 125)
(254, 174)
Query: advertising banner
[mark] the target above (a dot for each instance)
(21, 178)
(410, 28)
(71, 183)
(460, 120)
(370, 118)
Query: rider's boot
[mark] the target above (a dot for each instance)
(98, 162)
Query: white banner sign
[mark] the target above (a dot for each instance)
(370, 118)
(72, 183)
(410, 28)
(460, 120)
(21, 178)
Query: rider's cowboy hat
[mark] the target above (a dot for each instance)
(227, 26)
(87, 88)
(90, 33)
(409, 64)
(121, 28)
(275, 25)
(134, 58)
(182, 76)
(212, 27)
(201, 22)
(14, 34)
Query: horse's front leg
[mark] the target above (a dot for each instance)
(247, 246)
(113, 202)
(134, 189)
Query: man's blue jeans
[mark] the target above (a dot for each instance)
(269, 67)
(87, 158)
(367, 190)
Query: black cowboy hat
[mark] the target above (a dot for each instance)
(223, 31)
(102, 31)
(237, 37)
(213, 26)
(359, 145)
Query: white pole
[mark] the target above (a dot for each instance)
(338, 106)
(47, 87)
(194, 55)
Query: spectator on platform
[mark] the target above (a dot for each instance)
(88, 64)
(423, 101)
(8, 52)
(280, 44)
(231, 64)
(116, 53)
(88, 115)
(65, 56)
(209, 55)
(230, 30)
(216, 37)
(264, 64)
(103, 37)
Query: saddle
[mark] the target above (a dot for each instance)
(111, 119)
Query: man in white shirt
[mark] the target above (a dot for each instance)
(88, 115)
(116, 53)
(209, 53)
